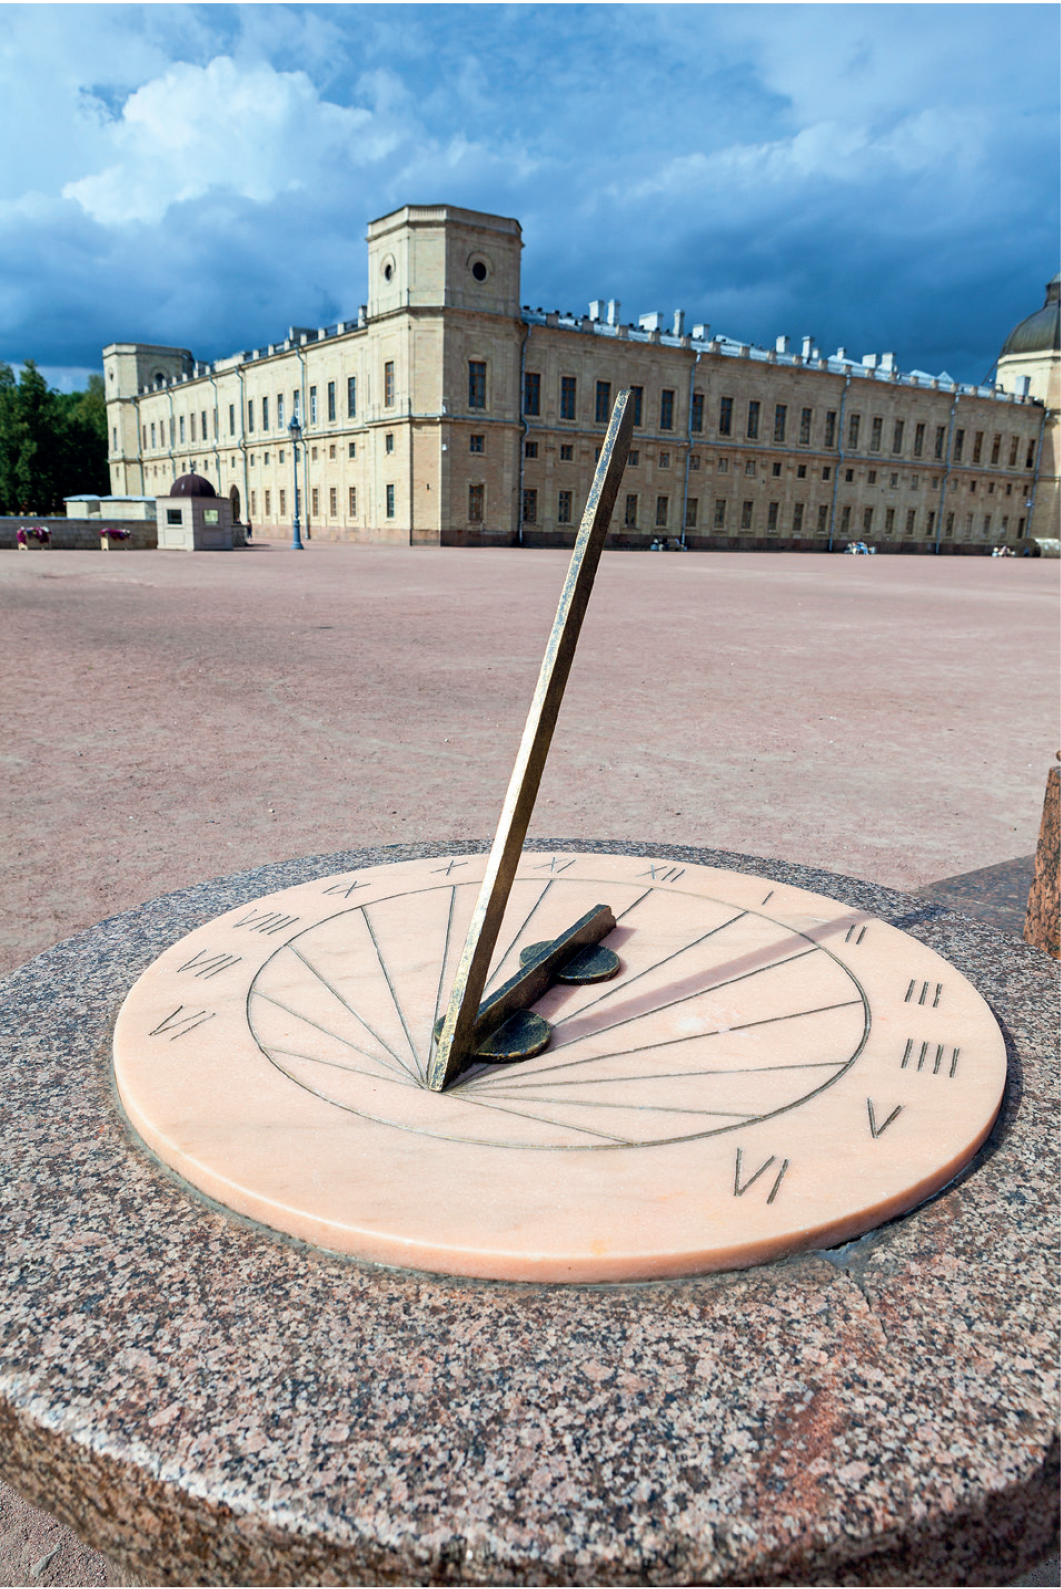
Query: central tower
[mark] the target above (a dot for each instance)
(435, 256)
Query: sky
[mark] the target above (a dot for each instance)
(881, 177)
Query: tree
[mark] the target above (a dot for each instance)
(52, 444)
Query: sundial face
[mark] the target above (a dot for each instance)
(769, 1070)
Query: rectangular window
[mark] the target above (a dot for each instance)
(662, 505)
(690, 512)
(780, 415)
(351, 450)
(333, 502)
(801, 471)
(968, 526)
(776, 471)
(630, 516)
(694, 461)
(797, 519)
(475, 503)
(1029, 462)
(268, 503)
(919, 441)
(388, 384)
(867, 520)
(804, 427)
(232, 419)
(823, 518)
(696, 421)
(388, 441)
(476, 384)
(931, 523)
(720, 513)
(830, 427)
(1014, 443)
(191, 423)
(313, 405)
(959, 445)
(351, 397)
(889, 520)
(827, 473)
(170, 434)
(145, 438)
(530, 507)
(897, 436)
(390, 502)
(202, 418)
(279, 410)
(567, 454)
(476, 443)
(530, 449)
(849, 475)
(987, 525)
(723, 466)
(666, 409)
(637, 393)
(949, 531)
(532, 393)
(746, 515)
(1020, 528)
(152, 433)
(563, 508)
(872, 477)
(725, 416)
(978, 444)
(315, 501)
(331, 399)
(254, 504)
(664, 460)
(749, 466)
(941, 436)
(771, 518)
(567, 396)
(182, 429)
(753, 419)
(854, 424)
(876, 431)
(604, 402)
(352, 502)
(283, 503)
(845, 519)
(265, 413)
(296, 404)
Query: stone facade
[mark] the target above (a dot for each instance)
(448, 414)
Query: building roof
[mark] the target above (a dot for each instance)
(1041, 331)
(192, 485)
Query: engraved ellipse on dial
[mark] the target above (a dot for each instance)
(769, 1070)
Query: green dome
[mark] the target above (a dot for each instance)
(1041, 332)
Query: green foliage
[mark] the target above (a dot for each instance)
(52, 444)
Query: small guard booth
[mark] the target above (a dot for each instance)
(193, 518)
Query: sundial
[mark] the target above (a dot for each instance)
(558, 1067)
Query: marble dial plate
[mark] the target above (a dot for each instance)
(769, 1071)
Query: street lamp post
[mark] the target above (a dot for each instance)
(294, 430)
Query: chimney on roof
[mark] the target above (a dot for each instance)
(887, 362)
(701, 333)
(613, 311)
(869, 361)
(808, 345)
(841, 353)
(781, 344)
(596, 309)
(652, 321)
(679, 323)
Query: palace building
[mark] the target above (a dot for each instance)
(447, 413)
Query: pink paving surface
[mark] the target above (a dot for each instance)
(169, 718)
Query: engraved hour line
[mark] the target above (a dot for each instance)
(323, 980)
(739, 1190)
(851, 932)
(267, 922)
(335, 1036)
(770, 895)
(711, 987)
(920, 999)
(448, 869)
(420, 1071)
(554, 865)
(670, 875)
(519, 933)
(210, 967)
(879, 1130)
(668, 1042)
(937, 1063)
(344, 889)
(562, 1125)
(628, 982)
(442, 966)
(180, 1027)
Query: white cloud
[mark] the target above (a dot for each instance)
(254, 130)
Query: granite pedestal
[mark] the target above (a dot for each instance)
(208, 1403)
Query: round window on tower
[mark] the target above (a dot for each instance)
(479, 266)
(387, 268)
